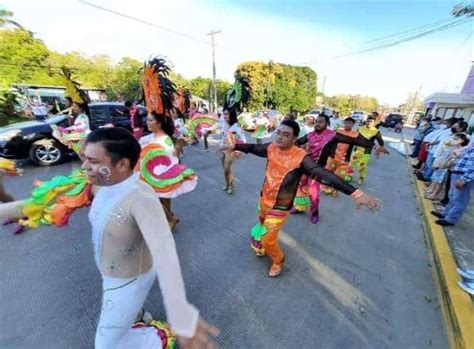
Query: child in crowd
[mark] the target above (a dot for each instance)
(440, 165)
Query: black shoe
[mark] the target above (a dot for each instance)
(444, 223)
(437, 214)
(417, 167)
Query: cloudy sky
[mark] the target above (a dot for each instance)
(314, 33)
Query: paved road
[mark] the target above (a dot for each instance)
(354, 280)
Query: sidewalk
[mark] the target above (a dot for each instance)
(450, 248)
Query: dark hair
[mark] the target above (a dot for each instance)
(370, 118)
(463, 137)
(293, 124)
(232, 116)
(322, 115)
(349, 119)
(80, 105)
(167, 123)
(84, 107)
(118, 142)
(128, 104)
(462, 126)
(69, 99)
(451, 121)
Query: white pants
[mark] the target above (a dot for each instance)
(122, 299)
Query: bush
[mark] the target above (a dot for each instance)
(8, 107)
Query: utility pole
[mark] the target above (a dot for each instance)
(214, 89)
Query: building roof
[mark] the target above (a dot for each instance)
(450, 98)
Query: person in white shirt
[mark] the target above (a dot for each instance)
(437, 138)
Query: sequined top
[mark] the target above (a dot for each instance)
(131, 235)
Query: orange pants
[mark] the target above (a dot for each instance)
(264, 238)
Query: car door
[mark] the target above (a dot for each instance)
(120, 116)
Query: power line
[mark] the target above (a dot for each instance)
(400, 41)
(449, 19)
(145, 22)
(451, 24)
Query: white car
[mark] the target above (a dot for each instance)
(358, 116)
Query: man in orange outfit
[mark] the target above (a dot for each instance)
(286, 164)
(339, 161)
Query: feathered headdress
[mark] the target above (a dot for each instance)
(238, 95)
(158, 90)
(182, 100)
(73, 89)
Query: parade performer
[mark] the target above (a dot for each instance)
(236, 99)
(339, 161)
(133, 245)
(202, 125)
(285, 165)
(181, 104)
(309, 190)
(75, 135)
(7, 168)
(261, 132)
(159, 164)
(361, 156)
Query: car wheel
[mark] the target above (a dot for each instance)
(47, 152)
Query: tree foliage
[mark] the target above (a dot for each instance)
(346, 104)
(282, 86)
(25, 59)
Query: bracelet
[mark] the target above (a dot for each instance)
(357, 194)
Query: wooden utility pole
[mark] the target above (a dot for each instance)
(214, 88)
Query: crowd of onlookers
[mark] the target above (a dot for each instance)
(445, 154)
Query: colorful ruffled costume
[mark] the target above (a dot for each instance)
(163, 171)
(10, 168)
(168, 341)
(73, 136)
(199, 123)
(54, 201)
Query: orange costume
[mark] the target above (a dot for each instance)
(282, 175)
(340, 161)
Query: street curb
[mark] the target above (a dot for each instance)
(457, 306)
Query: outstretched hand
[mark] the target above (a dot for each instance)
(202, 339)
(380, 151)
(370, 202)
(228, 147)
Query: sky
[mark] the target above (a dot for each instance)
(298, 32)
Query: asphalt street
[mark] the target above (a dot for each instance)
(354, 280)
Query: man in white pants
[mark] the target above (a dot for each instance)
(133, 244)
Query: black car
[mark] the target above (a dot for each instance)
(392, 119)
(34, 139)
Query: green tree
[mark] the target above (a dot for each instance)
(200, 87)
(284, 86)
(21, 57)
(126, 80)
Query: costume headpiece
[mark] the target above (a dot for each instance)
(158, 90)
(73, 89)
(238, 95)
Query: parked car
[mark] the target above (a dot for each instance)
(393, 119)
(358, 116)
(34, 139)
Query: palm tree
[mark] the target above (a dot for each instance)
(5, 20)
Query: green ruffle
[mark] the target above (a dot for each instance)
(258, 231)
(301, 200)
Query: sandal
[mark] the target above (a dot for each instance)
(276, 269)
